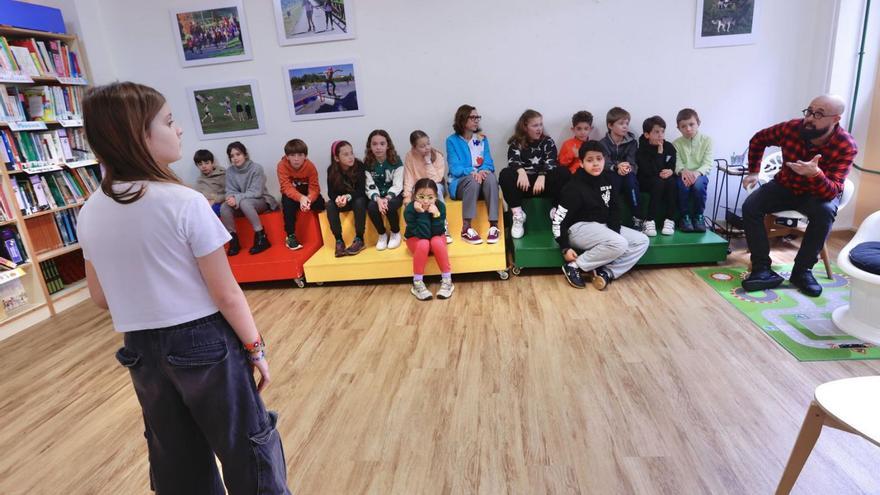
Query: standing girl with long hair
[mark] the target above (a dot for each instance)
(154, 258)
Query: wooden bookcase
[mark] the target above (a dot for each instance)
(33, 226)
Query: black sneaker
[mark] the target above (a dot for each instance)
(340, 249)
(601, 279)
(356, 246)
(805, 282)
(234, 245)
(292, 243)
(761, 279)
(573, 275)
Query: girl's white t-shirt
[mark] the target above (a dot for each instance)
(145, 254)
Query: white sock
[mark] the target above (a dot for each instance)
(517, 210)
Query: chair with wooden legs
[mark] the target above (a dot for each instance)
(851, 405)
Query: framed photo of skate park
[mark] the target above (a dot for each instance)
(323, 90)
(226, 110)
(313, 21)
(211, 36)
(725, 23)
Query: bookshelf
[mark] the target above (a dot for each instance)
(47, 173)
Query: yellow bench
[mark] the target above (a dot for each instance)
(371, 264)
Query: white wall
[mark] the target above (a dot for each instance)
(420, 60)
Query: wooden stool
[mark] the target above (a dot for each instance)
(851, 405)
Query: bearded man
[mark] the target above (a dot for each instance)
(818, 154)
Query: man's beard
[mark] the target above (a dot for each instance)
(808, 133)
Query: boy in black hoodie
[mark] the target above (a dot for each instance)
(656, 157)
(619, 147)
(587, 225)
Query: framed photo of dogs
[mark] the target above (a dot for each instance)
(725, 23)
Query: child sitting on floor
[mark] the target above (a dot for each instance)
(425, 233)
(587, 225)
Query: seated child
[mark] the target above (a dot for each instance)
(619, 147)
(581, 126)
(425, 226)
(472, 174)
(300, 190)
(346, 188)
(424, 162)
(246, 194)
(693, 168)
(656, 174)
(532, 169)
(587, 225)
(212, 181)
(384, 187)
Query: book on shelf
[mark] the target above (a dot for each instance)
(6, 213)
(38, 58)
(44, 233)
(52, 276)
(13, 296)
(12, 247)
(40, 103)
(29, 149)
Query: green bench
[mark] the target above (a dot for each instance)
(538, 249)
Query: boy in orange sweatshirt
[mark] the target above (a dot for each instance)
(581, 126)
(300, 190)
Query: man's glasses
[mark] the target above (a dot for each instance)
(818, 114)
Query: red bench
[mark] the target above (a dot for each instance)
(277, 262)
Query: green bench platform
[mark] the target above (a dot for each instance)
(538, 249)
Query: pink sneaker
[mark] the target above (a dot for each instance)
(471, 236)
(493, 235)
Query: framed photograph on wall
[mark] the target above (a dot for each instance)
(226, 110)
(212, 36)
(313, 21)
(324, 90)
(725, 23)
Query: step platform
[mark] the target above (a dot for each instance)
(538, 249)
(277, 262)
(371, 264)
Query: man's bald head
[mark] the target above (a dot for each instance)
(828, 104)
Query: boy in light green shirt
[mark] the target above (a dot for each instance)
(694, 152)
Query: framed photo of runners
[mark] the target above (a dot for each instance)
(725, 23)
(313, 21)
(226, 110)
(212, 36)
(323, 90)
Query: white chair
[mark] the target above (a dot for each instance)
(861, 317)
(770, 165)
(851, 405)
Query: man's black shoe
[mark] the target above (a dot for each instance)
(805, 282)
(762, 279)
(573, 275)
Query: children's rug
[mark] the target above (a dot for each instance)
(800, 324)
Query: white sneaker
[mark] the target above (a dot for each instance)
(394, 241)
(668, 227)
(421, 291)
(382, 243)
(446, 232)
(552, 213)
(517, 230)
(446, 288)
(650, 228)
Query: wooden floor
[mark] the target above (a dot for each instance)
(524, 386)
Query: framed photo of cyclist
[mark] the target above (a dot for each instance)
(313, 21)
(211, 36)
(325, 90)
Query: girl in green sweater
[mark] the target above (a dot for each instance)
(425, 233)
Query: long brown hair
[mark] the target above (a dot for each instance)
(391, 155)
(520, 137)
(337, 178)
(117, 119)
